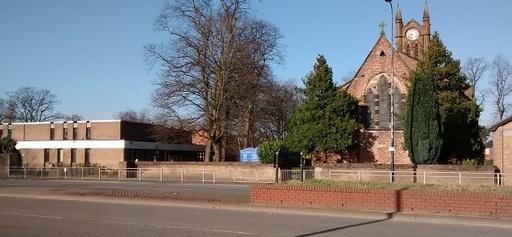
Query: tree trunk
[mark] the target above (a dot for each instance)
(208, 151)
(217, 148)
(223, 149)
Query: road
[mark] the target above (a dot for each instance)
(52, 217)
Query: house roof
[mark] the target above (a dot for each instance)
(500, 123)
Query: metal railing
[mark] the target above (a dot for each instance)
(426, 177)
(245, 175)
(140, 174)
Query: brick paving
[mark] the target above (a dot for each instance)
(175, 196)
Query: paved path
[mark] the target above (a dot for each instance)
(211, 193)
(50, 217)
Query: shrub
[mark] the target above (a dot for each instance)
(268, 149)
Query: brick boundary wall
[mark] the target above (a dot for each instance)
(407, 201)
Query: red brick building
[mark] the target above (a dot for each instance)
(372, 84)
(109, 143)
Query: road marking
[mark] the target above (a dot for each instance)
(29, 215)
(181, 227)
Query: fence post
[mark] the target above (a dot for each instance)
(329, 178)
(65, 174)
(359, 176)
(99, 174)
(203, 175)
(460, 178)
(82, 173)
(139, 170)
(161, 174)
(119, 175)
(182, 175)
(41, 173)
(214, 175)
(391, 176)
(424, 177)
(24, 172)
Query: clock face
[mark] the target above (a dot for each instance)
(412, 34)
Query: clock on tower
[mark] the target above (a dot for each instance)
(412, 38)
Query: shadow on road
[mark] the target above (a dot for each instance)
(398, 209)
(346, 227)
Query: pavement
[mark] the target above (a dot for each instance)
(33, 208)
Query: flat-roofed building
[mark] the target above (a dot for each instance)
(109, 143)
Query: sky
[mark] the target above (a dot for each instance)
(90, 53)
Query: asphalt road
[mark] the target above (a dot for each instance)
(51, 217)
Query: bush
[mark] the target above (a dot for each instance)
(268, 149)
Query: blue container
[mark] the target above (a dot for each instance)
(249, 155)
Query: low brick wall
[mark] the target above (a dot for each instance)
(408, 201)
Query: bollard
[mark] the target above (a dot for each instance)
(460, 178)
(424, 178)
(359, 176)
(161, 174)
(182, 175)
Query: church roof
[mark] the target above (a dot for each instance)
(407, 60)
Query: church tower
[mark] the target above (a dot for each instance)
(413, 38)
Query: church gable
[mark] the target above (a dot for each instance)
(376, 63)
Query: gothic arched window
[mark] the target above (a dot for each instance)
(378, 100)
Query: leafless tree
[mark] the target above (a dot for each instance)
(29, 104)
(3, 110)
(501, 85)
(279, 101)
(141, 116)
(474, 69)
(202, 64)
(74, 117)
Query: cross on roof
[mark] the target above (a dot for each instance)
(382, 25)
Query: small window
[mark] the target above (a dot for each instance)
(73, 156)
(60, 156)
(87, 158)
(88, 131)
(65, 131)
(46, 155)
(52, 131)
(75, 133)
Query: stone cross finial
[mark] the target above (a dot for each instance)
(382, 26)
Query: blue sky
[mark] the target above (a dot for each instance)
(90, 53)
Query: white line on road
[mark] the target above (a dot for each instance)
(29, 215)
(181, 227)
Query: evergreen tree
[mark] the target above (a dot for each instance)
(459, 113)
(326, 120)
(422, 130)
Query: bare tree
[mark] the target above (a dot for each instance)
(74, 117)
(474, 69)
(501, 85)
(29, 104)
(202, 64)
(3, 110)
(141, 116)
(279, 101)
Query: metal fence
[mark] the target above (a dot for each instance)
(142, 174)
(427, 177)
(246, 175)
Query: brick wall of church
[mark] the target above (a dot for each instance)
(380, 148)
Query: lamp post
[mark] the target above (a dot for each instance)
(392, 124)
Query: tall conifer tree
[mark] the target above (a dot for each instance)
(326, 120)
(459, 113)
(422, 130)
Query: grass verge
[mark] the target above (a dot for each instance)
(403, 186)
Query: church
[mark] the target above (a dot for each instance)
(373, 86)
